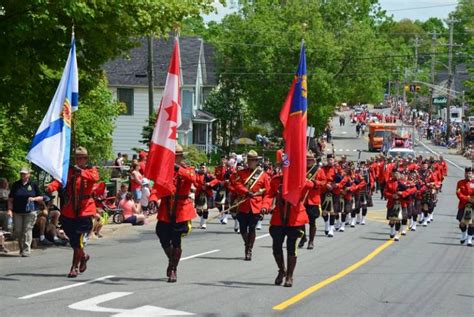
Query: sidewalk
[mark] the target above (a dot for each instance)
(108, 231)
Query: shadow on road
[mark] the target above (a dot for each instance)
(374, 239)
(220, 258)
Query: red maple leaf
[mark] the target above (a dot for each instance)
(173, 133)
(172, 112)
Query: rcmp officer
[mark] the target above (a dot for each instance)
(287, 221)
(77, 207)
(316, 180)
(175, 214)
(250, 184)
(465, 193)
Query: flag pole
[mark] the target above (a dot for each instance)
(73, 116)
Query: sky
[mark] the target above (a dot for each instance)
(400, 9)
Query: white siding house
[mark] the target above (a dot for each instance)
(128, 83)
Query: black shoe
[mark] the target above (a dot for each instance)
(60, 242)
(45, 242)
(302, 242)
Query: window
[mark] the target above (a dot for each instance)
(125, 96)
(187, 105)
(199, 133)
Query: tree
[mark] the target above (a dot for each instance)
(347, 59)
(225, 103)
(34, 40)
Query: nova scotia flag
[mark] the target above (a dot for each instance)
(51, 145)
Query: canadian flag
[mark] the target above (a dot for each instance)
(161, 157)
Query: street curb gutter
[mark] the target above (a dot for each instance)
(436, 153)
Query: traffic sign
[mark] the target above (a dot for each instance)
(440, 101)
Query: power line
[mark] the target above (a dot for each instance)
(426, 7)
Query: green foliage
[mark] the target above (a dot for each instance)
(147, 131)
(194, 157)
(95, 121)
(225, 103)
(346, 54)
(35, 38)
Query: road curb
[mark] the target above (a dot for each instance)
(436, 153)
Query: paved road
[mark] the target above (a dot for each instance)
(356, 273)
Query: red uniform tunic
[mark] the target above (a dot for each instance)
(329, 172)
(464, 190)
(254, 204)
(202, 180)
(219, 172)
(184, 206)
(295, 216)
(78, 182)
(391, 188)
(315, 188)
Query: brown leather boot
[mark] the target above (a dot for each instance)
(168, 252)
(280, 261)
(76, 259)
(312, 234)
(250, 242)
(289, 273)
(175, 257)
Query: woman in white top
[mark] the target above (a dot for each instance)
(144, 200)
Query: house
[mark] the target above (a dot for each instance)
(129, 84)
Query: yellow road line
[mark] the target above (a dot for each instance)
(293, 300)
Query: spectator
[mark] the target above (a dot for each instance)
(3, 248)
(130, 211)
(47, 222)
(142, 161)
(118, 166)
(6, 221)
(22, 201)
(136, 181)
(121, 193)
(145, 195)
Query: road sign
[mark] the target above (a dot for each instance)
(440, 101)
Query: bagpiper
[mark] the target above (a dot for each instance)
(204, 195)
(316, 180)
(465, 193)
(330, 205)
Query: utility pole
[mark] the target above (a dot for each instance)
(150, 75)
(433, 61)
(450, 78)
(417, 44)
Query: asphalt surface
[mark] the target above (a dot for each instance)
(426, 273)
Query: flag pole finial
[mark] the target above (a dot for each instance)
(304, 28)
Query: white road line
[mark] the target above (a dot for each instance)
(262, 236)
(347, 150)
(66, 287)
(197, 255)
(354, 150)
(435, 153)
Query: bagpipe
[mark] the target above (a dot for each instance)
(202, 201)
(310, 175)
(467, 215)
(328, 205)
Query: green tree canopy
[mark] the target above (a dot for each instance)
(35, 38)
